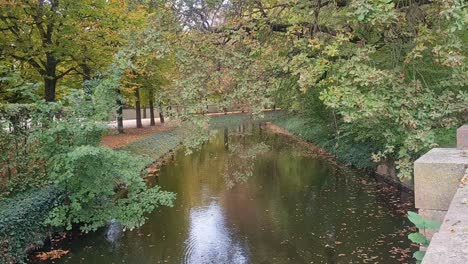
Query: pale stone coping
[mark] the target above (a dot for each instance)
(444, 155)
(436, 177)
(462, 137)
(450, 244)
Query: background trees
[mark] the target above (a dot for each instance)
(377, 71)
(51, 40)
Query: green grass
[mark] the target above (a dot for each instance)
(446, 138)
(156, 145)
(346, 149)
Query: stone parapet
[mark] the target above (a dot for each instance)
(436, 177)
(450, 244)
(462, 137)
(441, 194)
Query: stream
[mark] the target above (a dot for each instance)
(253, 196)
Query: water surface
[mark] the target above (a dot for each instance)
(252, 196)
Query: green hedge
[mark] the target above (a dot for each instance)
(21, 223)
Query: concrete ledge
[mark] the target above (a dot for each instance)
(436, 177)
(462, 137)
(450, 244)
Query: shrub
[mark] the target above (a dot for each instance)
(21, 222)
(101, 184)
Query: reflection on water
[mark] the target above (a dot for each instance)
(210, 240)
(294, 207)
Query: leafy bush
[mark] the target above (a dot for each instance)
(21, 222)
(57, 146)
(92, 178)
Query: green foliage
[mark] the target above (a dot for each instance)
(93, 177)
(21, 222)
(422, 224)
(57, 145)
(419, 255)
(385, 72)
(419, 239)
(55, 40)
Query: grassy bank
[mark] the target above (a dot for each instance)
(345, 149)
(156, 145)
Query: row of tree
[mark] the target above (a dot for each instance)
(64, 44)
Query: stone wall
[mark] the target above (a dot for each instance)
(441, 195)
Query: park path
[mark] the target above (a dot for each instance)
(131, 123)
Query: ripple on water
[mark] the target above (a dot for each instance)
(210, 239)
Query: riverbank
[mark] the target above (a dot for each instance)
(394, 190)
(345, 149)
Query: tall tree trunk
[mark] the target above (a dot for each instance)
(144, 112)
(138, 108)
(50, 83)
(161, 116)
(86, 72)
(120, 127)
(316, 27)
(151, 107)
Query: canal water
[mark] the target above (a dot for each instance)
(254, 196)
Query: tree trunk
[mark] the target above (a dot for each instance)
(50, 84)
(161, 116)
(120, 127)
(316, 27)
(138, 108)
(144, 112)
(86, 72)
(151, 107)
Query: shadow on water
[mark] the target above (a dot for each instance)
(252, 196)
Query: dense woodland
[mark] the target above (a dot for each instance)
(389, 75)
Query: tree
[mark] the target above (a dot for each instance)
(374, 64)
(60, 38)
(151, 61)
